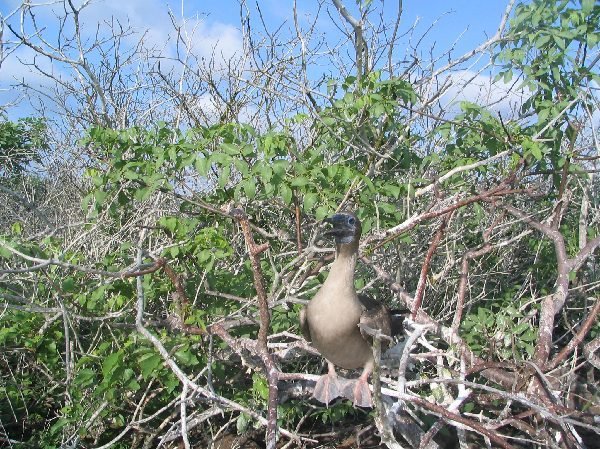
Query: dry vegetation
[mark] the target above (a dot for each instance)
(161, 219)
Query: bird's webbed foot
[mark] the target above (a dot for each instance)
(329, 386)
(359, 392)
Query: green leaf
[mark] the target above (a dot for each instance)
(16, 228)
(378, 110)
(530, 335)
(469, 407)
(224, 176)
(143, 193)
(68, 284)
(265, 172)
(300, 181)
(133, 385)
(279, 167)
(387, 207)
(310, 199)
(536, 152)
(242, 423)
(100, 196)
(111, 363)
(130, 174)
(242, 167)
(542, 40)
(533, 148)
(202, 165)
(171, 384)
(220, 158)
(84, 377)
(170, 223)
(521, 328)
(321, 213)
(148, 363)
(259, 385)
(186, 357)
(5, 253)
(59, 424)
(230, 149)
(587, 6)
(286, 193)
(560, 42)
(250, 188)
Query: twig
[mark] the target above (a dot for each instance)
(381, 418)
(183, 414)
(359, 41)
(425, 267)
(298, 220)
(271, 370)
(450, 416)
(255, 250)
(552, 304)
(43, 263)
(488, 195)
(183, 378)
(481, 48)
(456, 170)
(414, 333)
(588, 352)
(462, 286)
(577, 339)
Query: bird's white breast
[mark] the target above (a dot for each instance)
(333, 321)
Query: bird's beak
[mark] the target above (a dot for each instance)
(335, 219)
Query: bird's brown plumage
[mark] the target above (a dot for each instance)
(330, 320)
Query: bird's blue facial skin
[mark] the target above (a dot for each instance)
(341, 220)
(344, 229)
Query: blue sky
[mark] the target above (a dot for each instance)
(456, 16)
(217, 23)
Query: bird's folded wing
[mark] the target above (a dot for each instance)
(376, 316)
(304, 328)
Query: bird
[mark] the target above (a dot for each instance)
(330, 321)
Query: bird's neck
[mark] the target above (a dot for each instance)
(344, 264)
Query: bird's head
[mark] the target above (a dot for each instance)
(346, 227)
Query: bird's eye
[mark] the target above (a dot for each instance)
(351, 221)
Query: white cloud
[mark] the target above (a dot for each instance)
(479, 88)
(211, 110)
(15, 68)
(206, 39)
(147, 18)
(14, 72)
(151, 18)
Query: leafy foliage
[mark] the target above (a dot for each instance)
(20, 144)
(163, 193)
